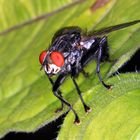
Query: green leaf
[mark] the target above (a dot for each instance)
(115, 114)
(26, 28)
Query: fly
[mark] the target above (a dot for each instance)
(70, 51)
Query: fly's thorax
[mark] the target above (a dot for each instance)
(66, 39)
(72, 60)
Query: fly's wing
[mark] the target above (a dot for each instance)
(107, 30)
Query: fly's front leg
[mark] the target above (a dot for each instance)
(87, 108)
(59, 92)
(102, 45)
(56, 86)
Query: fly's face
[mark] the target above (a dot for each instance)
(51, 62)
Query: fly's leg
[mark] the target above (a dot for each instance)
(102, 44)
(57, 84)
(73, 75)
(62, 105)
(102, 55)
(87, 108)
(60, 93)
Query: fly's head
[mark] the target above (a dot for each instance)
(51, 62)
(62, 46)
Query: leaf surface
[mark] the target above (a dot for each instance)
(115, 114)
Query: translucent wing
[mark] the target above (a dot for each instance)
(107, 30)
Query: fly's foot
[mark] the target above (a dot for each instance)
(87, 109)
(77, 121)
(109, 87)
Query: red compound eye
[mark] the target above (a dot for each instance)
(57, 58)
(42, 56)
